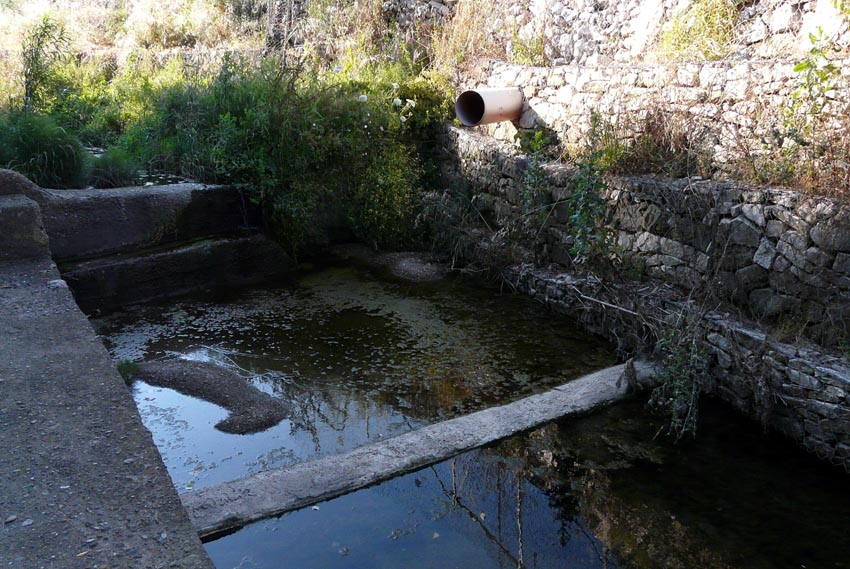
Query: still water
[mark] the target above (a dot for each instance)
(362, 358)
(585, 493)
(358, 357)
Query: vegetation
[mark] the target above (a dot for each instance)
(704, 30)
(36, 146)
(127, 370)
(531, 51)
(114, 168)
(42, 47)
(682, 379)
(345, 128)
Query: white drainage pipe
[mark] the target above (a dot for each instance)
(487, 105)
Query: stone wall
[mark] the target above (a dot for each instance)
(602, 32)
(779, 255)
(802, 393)
(734, 111)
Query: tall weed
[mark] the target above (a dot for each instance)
(41, 150)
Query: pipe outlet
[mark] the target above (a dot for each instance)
(488, 105)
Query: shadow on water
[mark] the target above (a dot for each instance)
(358, 358)
(592, 492)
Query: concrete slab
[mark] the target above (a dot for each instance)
(228, 506)
(22, 234)
(84, 224)
(109, 282)
(81, 482)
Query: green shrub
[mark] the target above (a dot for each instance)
(682, 379)
(297, 140)
(41, 150)
(383, 206)
(113, 169)
(43, 46)
(80, 100)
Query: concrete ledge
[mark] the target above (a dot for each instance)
(81, 483)
(22, 234)
(84, 224)
(221, 508)
(110, 282)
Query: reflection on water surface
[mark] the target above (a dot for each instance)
(359, 357)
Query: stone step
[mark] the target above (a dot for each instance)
(108, 282)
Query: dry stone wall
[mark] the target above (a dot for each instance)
(602, 32)
(802, 393)
(733, 110)
(778, 254)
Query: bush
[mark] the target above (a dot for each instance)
(383, 207)
(113, 169)
(81, 100)
(682, 379)
(43, 46)
(41, 150)
(298, 140)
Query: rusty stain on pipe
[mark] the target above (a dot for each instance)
(487, 105)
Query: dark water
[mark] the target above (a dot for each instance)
(593, 492)
(364, 358)
(359, 357)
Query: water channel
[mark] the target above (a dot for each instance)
(362, 357)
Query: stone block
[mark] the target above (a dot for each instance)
(767, 302)
(775, 228)
(755, 213)
(740, 231)
(720, 341)
(842, 263)
(833, 234)
(838, 377)
(765, 254)
(804, 380)
(784, 215)
(831, 411)
(724, 360)
(817, 257)
(791, 390)
(780, 20)
(752, 277)
(751, 339)
(795, 256)
(22, 235)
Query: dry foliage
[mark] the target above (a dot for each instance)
(466, 38)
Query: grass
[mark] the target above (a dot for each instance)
(40, 149)
(465, 39)
(115, 168)
(659, 142)
(704, 30)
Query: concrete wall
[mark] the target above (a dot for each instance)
(83, 224)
